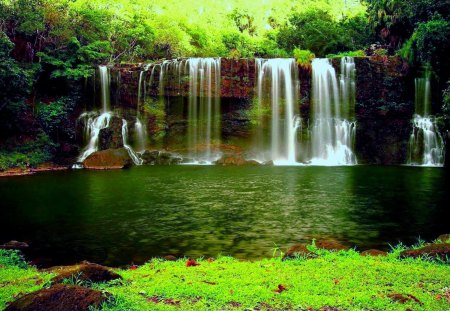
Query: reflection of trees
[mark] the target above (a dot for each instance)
(398, 203)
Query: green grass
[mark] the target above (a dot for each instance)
(345, 280)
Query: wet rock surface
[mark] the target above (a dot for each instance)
(108, 159)
(59, 298)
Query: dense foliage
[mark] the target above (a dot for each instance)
(50, 44)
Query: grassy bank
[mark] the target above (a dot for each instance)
(345, 280)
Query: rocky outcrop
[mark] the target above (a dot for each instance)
(108, 159)
(59, 298)
(235, 160)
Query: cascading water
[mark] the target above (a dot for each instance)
(333, 131)
(426, 145)
(133, 155)
(94, 122)
(204, 108)
(139, 128)
(281, 77)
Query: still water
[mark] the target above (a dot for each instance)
(120, 217)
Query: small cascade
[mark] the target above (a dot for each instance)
(426, 145)
(333, 131)
(94, 121)
(204, 108)
(133, 155)
(280, 77)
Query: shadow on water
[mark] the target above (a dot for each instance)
(119, 217)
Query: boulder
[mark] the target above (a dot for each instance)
(235, 160)
(108, 159)
(14, 245)
(59, 298)
(435, 251)
(86, 271)
(374, 252)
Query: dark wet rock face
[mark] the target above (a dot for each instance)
(435, 251)
(374, 252)
(108, 159)
(155, 157)
(331, 245)
(86, 271)
(111, 137)
(59, 298)
(14, 245)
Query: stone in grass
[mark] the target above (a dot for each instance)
(59, 298)
(302, 250)
(14, 245)
(374, 252)
(444, 238)
(85, 271)
(435, 251)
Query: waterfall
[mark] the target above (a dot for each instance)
(94, 122)
(426, 145)
(139, 128)
(280, 76)
(333, 131)
(133, 155)
(105, 89)
(204, 108)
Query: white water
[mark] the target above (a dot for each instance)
(139, 128)
(105, 83)
(280, 77)
(94, 122)
(204, 108)
(133, 155)
(333, 130)
(426, 145)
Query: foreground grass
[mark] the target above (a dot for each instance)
(344, 280)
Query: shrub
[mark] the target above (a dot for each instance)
(303, 57)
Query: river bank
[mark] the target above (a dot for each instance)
(321, 279)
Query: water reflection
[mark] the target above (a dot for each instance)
(123, 216)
